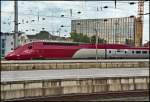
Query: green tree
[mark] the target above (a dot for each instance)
(129, 42)
(43, 35)
(79, 37)
(100, 40)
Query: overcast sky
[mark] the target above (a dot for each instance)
(50, 14)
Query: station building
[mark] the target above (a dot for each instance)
(112, 30)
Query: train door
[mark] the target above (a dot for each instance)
(110, 53)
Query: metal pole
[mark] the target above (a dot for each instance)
(59, 34)
(96, 42)
(15, 24)
(38, 14)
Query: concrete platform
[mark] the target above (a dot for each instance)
(44, 83)
(7, 76)
(72, 64)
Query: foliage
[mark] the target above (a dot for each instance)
(129, 42)
(100, 40)
(79, 37)
(42, 34)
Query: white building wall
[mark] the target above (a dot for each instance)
(2, 45)
(8, 43)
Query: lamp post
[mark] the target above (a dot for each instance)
(96, 42)
(59, 33)
(96, 35)
(62, 26)
(15, 24)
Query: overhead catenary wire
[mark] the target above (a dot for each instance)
(84, 8)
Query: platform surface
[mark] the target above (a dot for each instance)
(9, 76)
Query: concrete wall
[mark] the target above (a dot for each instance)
(67, 65)
(22, 89)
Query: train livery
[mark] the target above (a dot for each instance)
(65, 50)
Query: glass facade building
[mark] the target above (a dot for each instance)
(112, 30)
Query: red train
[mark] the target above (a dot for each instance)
(63, 50)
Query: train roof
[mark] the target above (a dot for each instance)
(53, 41)
(77, 43)
(88, 44)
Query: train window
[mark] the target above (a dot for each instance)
(109, 51)
(132, 51)
(29, 47)
(64, 44)
(118, 50)
(138, 52)
(144, 52)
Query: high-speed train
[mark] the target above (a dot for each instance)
(65, 50)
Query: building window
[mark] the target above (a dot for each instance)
(11, 43)
(11, 48)
(109, 51)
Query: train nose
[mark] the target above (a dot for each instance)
(10, 56)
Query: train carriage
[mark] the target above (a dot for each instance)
(66, 50)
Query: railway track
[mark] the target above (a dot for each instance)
(87, 97)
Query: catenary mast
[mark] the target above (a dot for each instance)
(15, 23)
